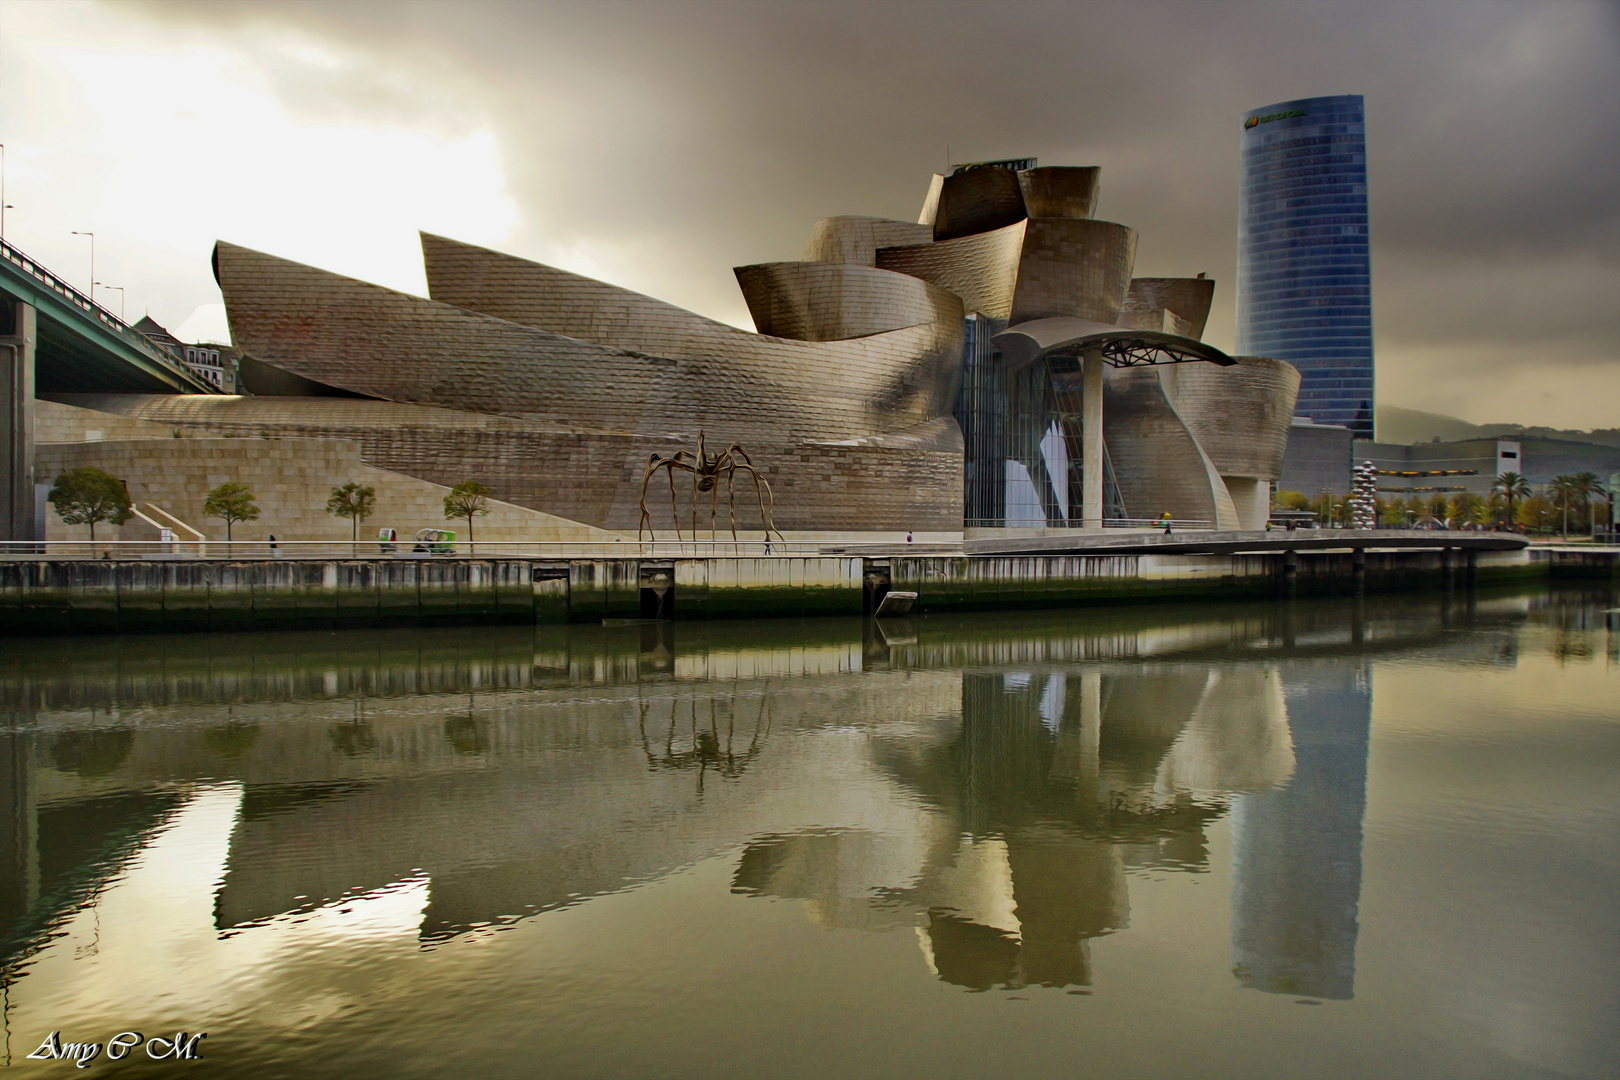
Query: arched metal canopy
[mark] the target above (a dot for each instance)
(1120, 346)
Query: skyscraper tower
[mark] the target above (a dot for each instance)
(1304, 283)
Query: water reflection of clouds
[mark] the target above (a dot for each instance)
(149, 935)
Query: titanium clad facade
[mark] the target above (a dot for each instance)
(1304, 291)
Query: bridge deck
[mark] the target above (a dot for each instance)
(82, 347)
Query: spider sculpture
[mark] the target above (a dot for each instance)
(707, 472)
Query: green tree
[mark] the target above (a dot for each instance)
(1537, 513)
(1291, 500)
(1512, 486)
(1575, 487)
(231, 502)
(355, 502)
(468, 499)
(87, 495)
(1467, 508)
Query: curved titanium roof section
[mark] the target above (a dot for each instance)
(1158, 464)
(982, 269)
(1188, 298)
(546, 298)
(1073, 267)
(1027, 342)
(977, 201)
(852, 239)
(1060, 191)
(1238, 414)
(381, 343)
(817, 301)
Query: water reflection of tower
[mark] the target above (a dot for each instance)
(1296, 864)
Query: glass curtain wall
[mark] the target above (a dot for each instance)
(1022, 438)
(1304, 291)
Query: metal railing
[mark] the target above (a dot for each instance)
(180, 548)
(1190, 524)
(88, 306)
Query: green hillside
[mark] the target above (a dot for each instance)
(1398, 425)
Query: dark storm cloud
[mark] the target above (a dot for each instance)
(713, 134)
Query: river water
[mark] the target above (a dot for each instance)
(1311, 839)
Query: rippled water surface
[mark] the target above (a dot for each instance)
(1325, 839)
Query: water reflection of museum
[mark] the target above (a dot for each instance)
(1025, 804)
(1061, 784)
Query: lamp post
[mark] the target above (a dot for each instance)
(92, 237)
(119, 289)
(4, 206)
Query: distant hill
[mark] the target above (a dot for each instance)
(1398, 425)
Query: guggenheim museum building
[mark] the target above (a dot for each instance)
(992, 365)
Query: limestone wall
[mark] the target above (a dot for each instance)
(291, 478)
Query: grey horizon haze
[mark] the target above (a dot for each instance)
(657, 145)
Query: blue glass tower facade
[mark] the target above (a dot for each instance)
(1304, 285)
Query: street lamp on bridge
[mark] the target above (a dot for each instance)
(92, 237)
(119, 289)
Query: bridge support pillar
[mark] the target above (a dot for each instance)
(17, 499)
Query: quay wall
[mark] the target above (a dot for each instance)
(131, 596)
(986, 583)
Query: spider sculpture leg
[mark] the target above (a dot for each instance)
(764, 495)
(669, 464)
(725, 464)
(674, 514)
(731, 496)
(714, 505)
(654, 463)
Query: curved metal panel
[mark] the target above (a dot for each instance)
(1060, 191)
(1158, 464)
(1075, 268)
(1238, 414)
(982, 269)
(659, 369)
(851, 239)
(817, 301)
(930, 207)
(977, 201)
(1188, 298)
(546, 298)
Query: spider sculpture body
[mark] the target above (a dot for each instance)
(707, 472)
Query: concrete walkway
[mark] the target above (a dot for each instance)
(1143, 542)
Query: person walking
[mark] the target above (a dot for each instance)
(1164, 520)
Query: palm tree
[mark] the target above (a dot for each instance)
(1563, 489)
(1512, 486)
(1582, 486)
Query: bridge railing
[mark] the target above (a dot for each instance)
(88, 306)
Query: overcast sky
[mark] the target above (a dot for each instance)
(658, 145)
